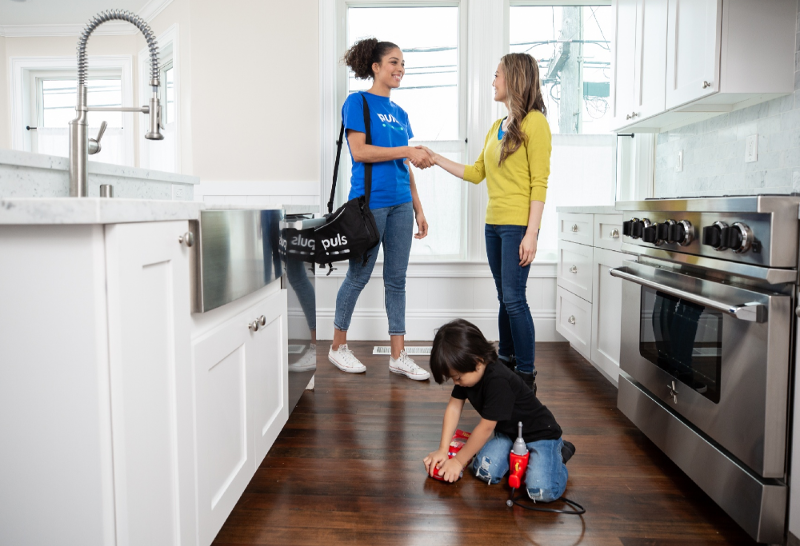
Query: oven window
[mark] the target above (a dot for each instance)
(684, 339)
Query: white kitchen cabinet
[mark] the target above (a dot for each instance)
(240, 375)
(693, 48)
(694, 59)
(150, 382)
(574, 269)
(606, 313)
(588, 298)
(640, 56)
(100, 363)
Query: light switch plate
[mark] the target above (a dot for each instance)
(751, 149)
(679, 163)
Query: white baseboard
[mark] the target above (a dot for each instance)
(421, 325)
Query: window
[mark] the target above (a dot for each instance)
(572, 46)
(431, 93)
(167, 93)
(54, 105)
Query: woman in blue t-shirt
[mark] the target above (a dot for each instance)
(394, 201)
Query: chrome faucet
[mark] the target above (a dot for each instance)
(80, 146)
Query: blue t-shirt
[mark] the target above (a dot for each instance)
(391, 184)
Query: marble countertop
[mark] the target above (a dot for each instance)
(93, 210)
(603, 209)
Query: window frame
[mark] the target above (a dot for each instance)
(38, 77)
(340, 82)
(23, 107)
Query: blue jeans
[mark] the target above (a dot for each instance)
(396, 228)
(517, 335)
(546, 476)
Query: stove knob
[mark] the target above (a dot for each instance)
(638, 227)
(627, 226)
(663, 231)
(740, 237)
(650, 234)
(716, 236)
(681, 232)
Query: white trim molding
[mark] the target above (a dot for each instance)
(20, 69)
(117, 28)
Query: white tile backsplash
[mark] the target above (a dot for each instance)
(713, 151)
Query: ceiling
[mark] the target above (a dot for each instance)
(63, 17)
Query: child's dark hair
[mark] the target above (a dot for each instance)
(457, 348)
(364, 53)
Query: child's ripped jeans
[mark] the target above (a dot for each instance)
(546, 477)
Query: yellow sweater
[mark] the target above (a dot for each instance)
(523, 176)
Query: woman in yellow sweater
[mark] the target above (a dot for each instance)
(516, 163)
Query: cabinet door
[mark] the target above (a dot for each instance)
(268, 361)
(574, 320)
(650, 72)
(694, 29)
(574, 269)
(624, 61)
(225, 452)
(607, 313)
(150, 379)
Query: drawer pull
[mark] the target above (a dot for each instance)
(615, 234)
(262, 320)
(573, 269)
(706, 85)
(187, 239)
(571, 319)
(254, 326)
(574, 228)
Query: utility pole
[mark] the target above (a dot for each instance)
(569, 120)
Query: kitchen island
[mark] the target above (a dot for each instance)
(126, 418)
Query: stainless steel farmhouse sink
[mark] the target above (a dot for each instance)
(235, 252)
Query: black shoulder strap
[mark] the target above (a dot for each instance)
(336, 167)
(367, 166)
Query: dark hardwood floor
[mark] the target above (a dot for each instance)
(347, 469)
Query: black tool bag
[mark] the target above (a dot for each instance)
(350, 231)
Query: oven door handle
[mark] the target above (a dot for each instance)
(751, 311)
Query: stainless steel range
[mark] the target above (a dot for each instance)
(706, 356)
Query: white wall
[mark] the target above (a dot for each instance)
(255, 95)
(435, 294)
(5, 106)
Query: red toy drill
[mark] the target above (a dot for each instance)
(519, 463)
(459, 440)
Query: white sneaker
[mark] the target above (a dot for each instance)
(344, 359)
(407, 367)
(307, 362)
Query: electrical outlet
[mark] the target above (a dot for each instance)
(178, 192)
(751, 149)
(679, 164)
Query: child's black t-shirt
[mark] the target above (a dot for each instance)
(501, 396)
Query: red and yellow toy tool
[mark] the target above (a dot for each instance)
(459, 440)
(519, 463)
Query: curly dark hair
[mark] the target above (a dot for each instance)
(364, 53)
(458, 347)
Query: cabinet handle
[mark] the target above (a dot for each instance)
(254, 326)
(706, 85)
(571, 319)
(262, 320)
(573, 269)
(634, 115)
(187, 238)
(574, 228)
(628, 116)
(615, 234)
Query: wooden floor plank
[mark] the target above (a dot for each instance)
(347, 469)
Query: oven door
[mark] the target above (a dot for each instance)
(716, 354)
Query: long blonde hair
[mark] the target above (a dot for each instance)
(524, 91)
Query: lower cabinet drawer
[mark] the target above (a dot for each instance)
(608, 231)
(575, 268)
(574, 320)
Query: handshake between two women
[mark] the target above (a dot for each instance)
(421, 157)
